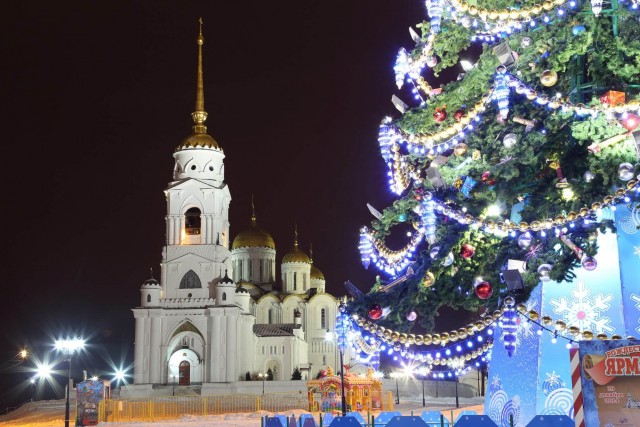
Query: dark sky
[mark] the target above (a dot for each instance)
(95, 97)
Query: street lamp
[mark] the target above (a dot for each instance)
(263, 377)
(423, 372)
(69, 346)
(396, 375)
(342, 326)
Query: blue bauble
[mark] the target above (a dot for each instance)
(578, 29)
(402, 217)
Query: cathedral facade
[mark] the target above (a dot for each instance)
(217, 311)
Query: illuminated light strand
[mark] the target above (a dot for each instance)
(407, 67)
(560, 327)
(558, 102)
(392, 337)
(455, 354)
(393, 262)
(463, 7)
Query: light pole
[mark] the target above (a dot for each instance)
(423, 372)
(457, 405)
(69, 346)
(396, 375)
(263, 376)
(342, 327)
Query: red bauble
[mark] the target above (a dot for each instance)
(440, 115)
(375, 312)
(467, 251)
(485, 176)
(491, 182)
(483, 290)
(631, 122)
(458, 115)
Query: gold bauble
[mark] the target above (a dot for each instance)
(616, 337)
(419, 339)
(429, 279)
(560, 325)
(587, 335)
(460, 149)
(601, 337)
(546, 320)
(402, 338)
(533, 315)
(574, 330)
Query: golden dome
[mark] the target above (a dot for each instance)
(253, 237)
(296, 255)
(316, 274)
(202, 140)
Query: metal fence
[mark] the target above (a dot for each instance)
(173, 407)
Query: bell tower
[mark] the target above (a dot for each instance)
(196, 254)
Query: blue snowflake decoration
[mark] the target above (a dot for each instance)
(468, 185)
(551, 383)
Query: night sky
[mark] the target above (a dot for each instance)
(96, 96)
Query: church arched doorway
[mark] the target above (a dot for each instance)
(184, 373)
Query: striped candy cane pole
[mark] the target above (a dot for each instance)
(576, 383)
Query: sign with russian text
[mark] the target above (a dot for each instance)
(610, 374)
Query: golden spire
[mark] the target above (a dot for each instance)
(253, 212)
(199, 115)
(311, 252)
(295, 235)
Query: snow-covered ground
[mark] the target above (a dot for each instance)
(51, 413)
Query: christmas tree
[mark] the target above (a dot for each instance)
(512, 179)
(507, 167)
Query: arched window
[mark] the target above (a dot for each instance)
(192, 221)
(270, 320)
(295, 281)
(323, 318)
(148, 298)
(190, 280)
(224, 296)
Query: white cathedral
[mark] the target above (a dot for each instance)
(216, 314)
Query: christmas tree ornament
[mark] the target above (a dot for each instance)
(483, 289)
(529, 124)
(429, 218)
(375, 312)
(625, 171)
(509, 326)
(510, 140)
(433, 253)
(402, 217)
(434, 9)
(611, 98)
(460, 149)
(525, 240)
(428, 280)
(544, 272)
(467, 186)
(501, 91)
(467, 251)
(630, 121)
(578, 29)
(485, 176)
(596, 7)
(412, 316)
(526, 42)
(448, 260)
(588, 176)
(458, 115)
(589, 263)
(432, 61)
(366, 247)
(549, 78)
(440, 115)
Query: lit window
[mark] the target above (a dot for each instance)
(323, 319)
(192, 221)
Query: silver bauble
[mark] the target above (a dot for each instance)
(544, 272)
(588, 176)
(448, 260)
(625, 171)
(525, 240)
(433, 253)
(510, 140)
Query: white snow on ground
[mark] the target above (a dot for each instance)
(51, 414)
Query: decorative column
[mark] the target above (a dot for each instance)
(138, 361)
(154, 348)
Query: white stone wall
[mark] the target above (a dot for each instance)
(295, 277)
(255, 265)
